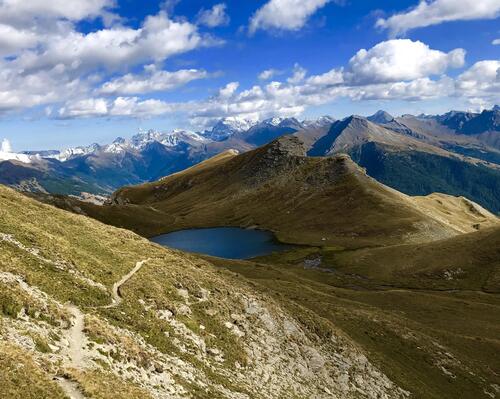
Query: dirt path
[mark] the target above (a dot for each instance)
(117, 299)
(74, 352)
(70, 388)
(77, 339)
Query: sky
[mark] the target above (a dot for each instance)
(73, 72)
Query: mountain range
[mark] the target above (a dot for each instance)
(457, 153)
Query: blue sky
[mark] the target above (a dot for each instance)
(78, 71)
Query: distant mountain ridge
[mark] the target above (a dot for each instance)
(148, 155)
(420, 155)
(456, 153)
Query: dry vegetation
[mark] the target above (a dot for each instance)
(182, 329)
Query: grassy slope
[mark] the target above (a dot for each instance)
(304, 200)
(428, 314)
(183, 326)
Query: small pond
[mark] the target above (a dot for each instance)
(223, 242)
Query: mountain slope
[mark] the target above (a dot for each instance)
(320, 201)
(413, 161)
(468, 261)
(427, 312)
(98, 312)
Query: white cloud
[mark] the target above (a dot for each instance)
(119, 107)
(496, 42)
(12, 39)
(414, 90)
(399, 60)
(289, 15)
(151, 81)
(48, 60)
(91, 107)
(330, 78)
(299, 74)
(481, 80)
(428, 13)
(137, 108)
(213, 17)
(20, 91)
(23, 11)
(228, 90)
(117, 48)
(391, 70)
(6, 147)
(268, 74)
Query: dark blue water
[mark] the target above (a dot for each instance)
(224, 242)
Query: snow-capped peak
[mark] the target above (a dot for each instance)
(170, 139)
(180, 135)
(275, 121)
(78, 151)
(281, 122)
(228, 126)
(321, 121)
(118, 146)
(144, 137)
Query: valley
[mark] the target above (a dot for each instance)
(174, 325)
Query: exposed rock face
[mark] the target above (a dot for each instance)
(381, 117)
(283, 154)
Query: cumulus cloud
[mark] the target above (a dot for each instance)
(399, 60)
(289, 15)
(414, 90)
(213, 17)
(480, 81)
(151, 81)
(119, 107)
(137, 108)
(90, 107)
(496, 42)
(12, 40)
(228, 90)
(331, 78)
(5, 147)
(20, 91)
(157, 39)
(269, 74)
(429, 12)
(299, 74)
(44, 59)
(22, 11)
(379, 73)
